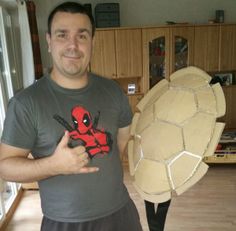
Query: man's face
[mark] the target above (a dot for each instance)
(70, 44)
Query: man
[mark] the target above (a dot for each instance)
(79, 170)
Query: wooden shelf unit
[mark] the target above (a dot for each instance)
(226, 152)
(221, 159)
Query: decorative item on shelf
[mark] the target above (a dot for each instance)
(225, 79)
(211, 21)
(107, 15)
(220, 16)
(131, 88)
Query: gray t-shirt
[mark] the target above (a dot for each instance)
(101, 108)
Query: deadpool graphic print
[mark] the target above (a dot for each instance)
(84, 132)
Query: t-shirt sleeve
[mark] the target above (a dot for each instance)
(126, 113)
(19, 130)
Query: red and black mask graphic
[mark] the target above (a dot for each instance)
(81, 119)
(85, 132)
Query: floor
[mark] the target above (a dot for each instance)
(210, 205)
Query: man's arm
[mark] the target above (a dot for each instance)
(15, 166)
(123, 138)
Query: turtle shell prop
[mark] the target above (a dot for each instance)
(173, 129)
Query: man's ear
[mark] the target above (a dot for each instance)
(48, 38)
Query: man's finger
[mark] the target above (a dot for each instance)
(80, 149)
(89, 169)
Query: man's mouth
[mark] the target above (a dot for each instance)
(72, 56)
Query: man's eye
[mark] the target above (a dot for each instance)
(82, 36)
(62, 35)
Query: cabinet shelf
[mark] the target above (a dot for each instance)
(221, 159)
(124, 83)
(226, 150)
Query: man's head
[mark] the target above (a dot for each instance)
(71, 7)
(70, 40)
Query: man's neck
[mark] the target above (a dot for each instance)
(74, 82)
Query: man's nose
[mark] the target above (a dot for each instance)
(73, 41)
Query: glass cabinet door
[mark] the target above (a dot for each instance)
(182, 47)
(181, 53)
(157, 52)
(166, 50)
(156, 55)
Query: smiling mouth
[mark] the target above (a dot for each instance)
(72, 57)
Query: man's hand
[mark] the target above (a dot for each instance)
(66, 160)
(15, 166)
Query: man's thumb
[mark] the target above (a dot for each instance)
(65, 139)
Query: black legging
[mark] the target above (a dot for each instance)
(156, 219)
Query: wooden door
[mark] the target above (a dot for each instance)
(230, 118)
(128, 53)
(155, 58)
(206, 47)
(181, 47)
(227, 47)
(103, 60)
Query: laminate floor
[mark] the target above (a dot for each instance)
(210, 205)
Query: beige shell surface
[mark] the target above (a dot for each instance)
(174, 129)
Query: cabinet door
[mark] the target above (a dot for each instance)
(155, 55)
(103, 60)
(182, 47)
(129, 53)
(230, 118)
(228, 47)
(206, 47)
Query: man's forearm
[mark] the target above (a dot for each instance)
(23, 170)
(15, 166)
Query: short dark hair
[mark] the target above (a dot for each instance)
(71, 7)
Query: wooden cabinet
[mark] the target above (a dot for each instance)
(144, 56)
(165, 50)
(129, 53)
(104, 59)
(230, 115)
(117, 53)
(215, 52)
(227, 47)
(215, 47)
(206, 47)
(226, 149)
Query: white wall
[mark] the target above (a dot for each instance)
(145, 13)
